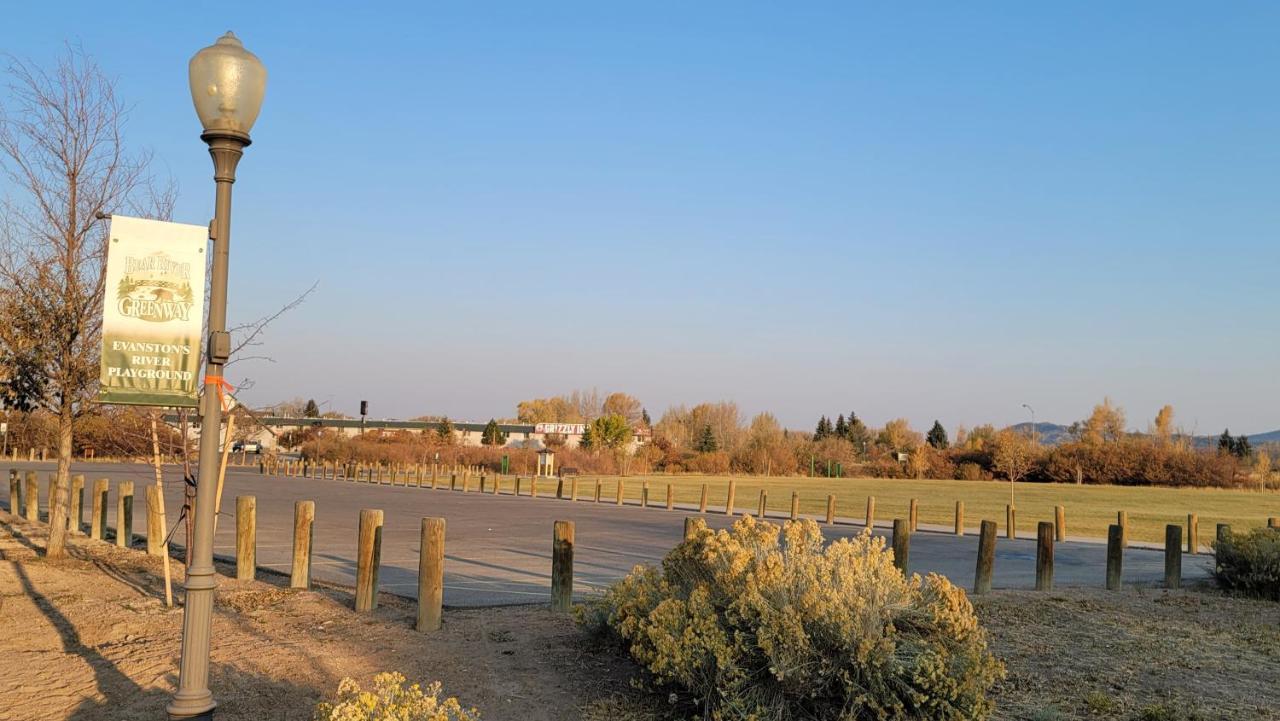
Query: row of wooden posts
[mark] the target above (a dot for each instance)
(417, 476)
(24, 500)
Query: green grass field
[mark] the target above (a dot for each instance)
(1089, 509)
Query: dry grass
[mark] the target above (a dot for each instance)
(1089, 508)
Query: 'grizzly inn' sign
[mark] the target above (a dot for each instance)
(153, 312)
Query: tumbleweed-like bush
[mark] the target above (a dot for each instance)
(390, 699)
(765, 623)
(1249, 562)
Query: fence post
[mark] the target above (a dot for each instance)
(368, 559)
(764, 502)
(1173, 556)
(1115, 556)
(728, 504)
(562, 566)
(560, 488)
(901, 543)
(573, 489)
(431, 574)
(795, 505)
(1010, 522)
(304, 516)
(1060, 523)
(871, 512)
(517, 485)
(33, 497)
(1193, 533)
(533, 487)
(702, 501)
(75, 515)
(618, 490)
(644, 495)
(914, 515)
(15, 492)
(155, 535)
(246, 537)
(124, 514)
(986, 557)
(831, 509)
(1044, 556)
(1122, 520)
(959, 525)
(671, 497)
(599, 485)
(98, 523)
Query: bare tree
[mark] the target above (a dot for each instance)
(62, 149)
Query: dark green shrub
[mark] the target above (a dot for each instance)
(1250, 562)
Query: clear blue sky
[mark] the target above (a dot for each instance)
(937, 211)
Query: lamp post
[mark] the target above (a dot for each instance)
(227, 85)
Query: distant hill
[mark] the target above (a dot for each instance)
(1052, 434)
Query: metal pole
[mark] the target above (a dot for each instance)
(193, 698)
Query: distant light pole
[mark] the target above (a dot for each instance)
(227, 86)
(1033, 421)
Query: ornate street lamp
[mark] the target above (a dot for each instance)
(227, 85)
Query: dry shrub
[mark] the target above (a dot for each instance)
(766, 623)
(714, 462)
(1138, 462)
(970, 471)
(390, 699)
(1250, 562)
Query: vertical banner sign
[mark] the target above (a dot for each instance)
(153, 312)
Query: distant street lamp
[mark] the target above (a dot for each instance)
(1033, 421)
(227, 86)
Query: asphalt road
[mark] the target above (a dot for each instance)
(498, 548)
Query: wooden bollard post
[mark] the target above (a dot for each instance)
(692, 524)
(98, 522)
(831, 509)
(914, 515)
(304, 516)
(764, 503)
(562, 566)
(33, 497)
(702, 500)
(795, 505)
(986, 557)
(1060, 523)
(124, 514)
(599, 487)
(466, 482)
(497, 482)
(573, 489)
(246, 537)
(517, 485)
(728, 503)
(959, 521)
(1173, 556)
(453, 481)
(618, 490)
(871, 512)
(901, 543)
(155, 534)
(1122, 520)
(1010, 522)
(431, 574)
(1115, 556)
(483, 479)
(15, 492)
(1193, 533)
(75, 514)
(533, 487)
(644, 495)
(1044, 556)
(560, 488)
(368, 559)
(435, 471)
(671, 497)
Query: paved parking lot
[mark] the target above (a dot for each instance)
(498, 548)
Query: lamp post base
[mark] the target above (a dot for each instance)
(194, 710)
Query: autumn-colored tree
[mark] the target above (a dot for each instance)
(611, 431)
(1262, 468)
(897, 436)
(1162, 428)
(621, 404)
(1014, 455)
(1105, 424)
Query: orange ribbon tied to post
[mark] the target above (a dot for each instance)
(223, 395)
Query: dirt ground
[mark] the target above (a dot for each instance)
(89, 638)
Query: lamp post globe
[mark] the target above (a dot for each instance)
(227, 87)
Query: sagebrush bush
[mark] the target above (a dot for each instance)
(1249, 562)
(762, 622)
(391, 700)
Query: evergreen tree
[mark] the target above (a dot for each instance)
(938, 436)
(1241, 447)
(311, 410)
(823, 430)
(842, 429)
(444, 429)
(493, 436)
(1226, 444)
(644, 417)
(588, 440)
(706, 442)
